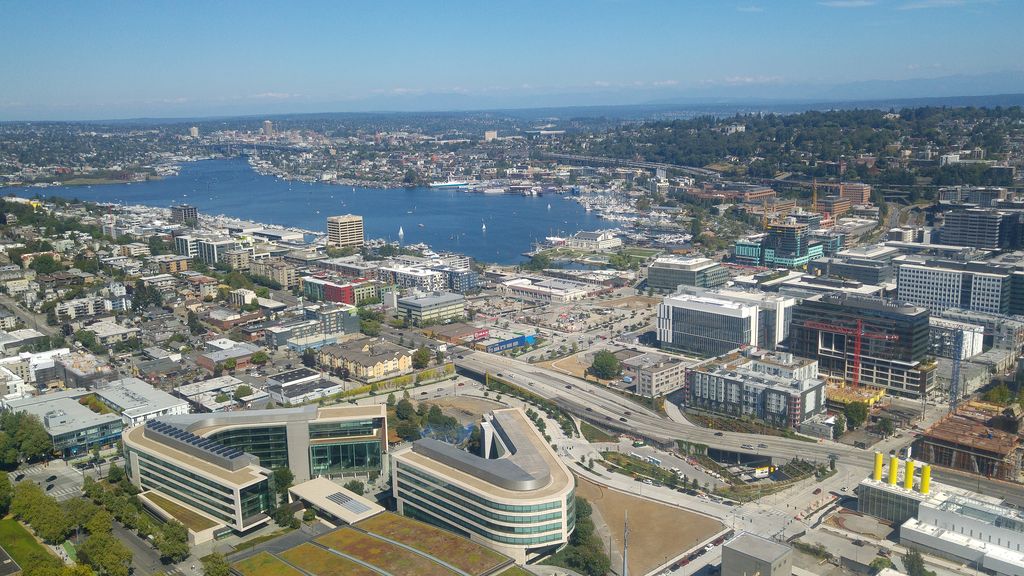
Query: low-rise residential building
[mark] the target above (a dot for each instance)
(109, 333)
(276, 270)
(170, 263)
(82, 308)
(366, 359)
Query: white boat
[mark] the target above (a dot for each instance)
(401, 232)
(483, 227)
(449, 184)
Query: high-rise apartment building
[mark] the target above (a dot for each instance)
(193, 132)
(268, 128)
(344, 231)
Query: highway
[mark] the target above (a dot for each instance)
(601, 406)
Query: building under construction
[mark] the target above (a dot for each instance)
(962, 443)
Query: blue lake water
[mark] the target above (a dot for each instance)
(445, 219)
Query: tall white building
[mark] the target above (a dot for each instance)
(940, 285)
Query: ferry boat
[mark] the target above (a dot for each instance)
(449, 184)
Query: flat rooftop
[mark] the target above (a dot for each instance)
(758, 547)
(65, 409)
(336, 500)
(135, 397)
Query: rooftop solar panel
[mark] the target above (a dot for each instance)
(348, 503)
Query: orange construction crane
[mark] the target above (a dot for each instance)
(858, 333)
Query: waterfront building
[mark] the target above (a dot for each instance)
(219, 466)
(516, 496)
(667, 273)
(185, 213)
(433, 308)
(547, 290)
(594, 241)
(344, 231)
(894, 348)
(776, 387)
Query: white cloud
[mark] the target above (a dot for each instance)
(749, 8)
(928, 4)
(665, 83)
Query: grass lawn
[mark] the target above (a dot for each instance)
(641, 252)
(316, 560)
(464, 554)
(20, 544)
(376, 552)
(192, 520)
(263, 564)
(593, 434)
(261, 539)
(69, 548)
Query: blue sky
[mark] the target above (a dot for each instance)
(71, 60)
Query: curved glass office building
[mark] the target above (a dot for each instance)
(517, 498)
(220, 464)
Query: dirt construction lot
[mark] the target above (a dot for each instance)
(658, 532)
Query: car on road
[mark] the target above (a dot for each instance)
(719, 434)
(568, 386)
(622, 420)
(49, 487)
(589, 409)
(762, 445)
(19, 477)
(747, 447)
(424, 393)
(709, 547)
(51, 478)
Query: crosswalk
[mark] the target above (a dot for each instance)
(38, 469)
(68, 493)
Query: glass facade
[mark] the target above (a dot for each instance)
(78, 442)
(341, 429)
(199, 492)
(889, 505)
(436, 501)
(707, 334)
(268, 443)
(328, 459)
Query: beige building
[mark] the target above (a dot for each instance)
(343, 231)
(238, 259)
(277, 270)
(366, 359)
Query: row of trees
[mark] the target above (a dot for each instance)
(22, 438)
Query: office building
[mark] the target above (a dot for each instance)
(856, 192)
(211, 250)
(345, 231)
(655, 374)
(73, 428)
(776, 387)
(894, 342)
(1001, 331)
(980, 196)
(785, 243)
(268, 128)
(516, 496)
(667, 273)
(984, 229)
(706, 325)
(942, 284)
(193, 132)
(748, 554)
(184, 213)
(873, 272)
(433, 308)
(219, 465)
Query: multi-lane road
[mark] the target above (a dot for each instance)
(605, 407)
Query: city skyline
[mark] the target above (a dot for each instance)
(122, 61)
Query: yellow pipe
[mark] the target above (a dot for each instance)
(894, 466)
(926, 478)
(878, 467)
(908, 475)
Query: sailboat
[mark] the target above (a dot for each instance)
(483, 227)
(549, 206)
(401, 232)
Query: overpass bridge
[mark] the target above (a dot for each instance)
(604, 161)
